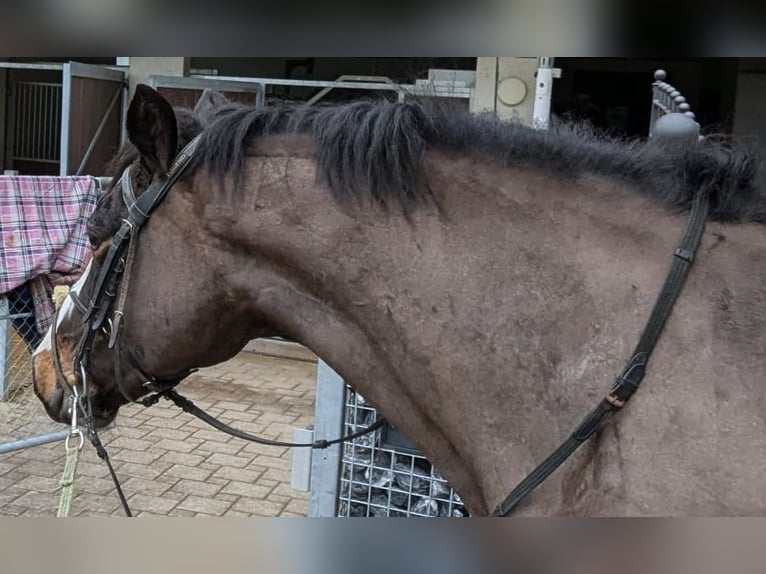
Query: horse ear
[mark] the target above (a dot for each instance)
(152, 128)
(208, 103)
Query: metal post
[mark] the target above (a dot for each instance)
(5, 347)
(541, 112)
(66, 108)
(328, 422)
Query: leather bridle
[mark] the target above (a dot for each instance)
(113, 279)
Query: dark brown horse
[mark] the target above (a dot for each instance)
(480, 282)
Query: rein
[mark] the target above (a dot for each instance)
(630, 377)
(187, 406)
(110, 292)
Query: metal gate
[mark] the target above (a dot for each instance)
(380, 474)
(673, 112)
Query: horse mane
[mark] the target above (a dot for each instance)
(374, 150)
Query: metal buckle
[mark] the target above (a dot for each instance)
(614, 401)
(74, 429)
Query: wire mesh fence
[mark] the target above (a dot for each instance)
(21, 413)
(382, 479)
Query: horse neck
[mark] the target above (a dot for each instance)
(451, 323)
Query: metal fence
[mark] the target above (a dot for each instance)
(671, 116)
(38, 122)
(380, 474)
(22, 419)
(383, 475)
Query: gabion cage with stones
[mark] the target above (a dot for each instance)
(383, 480)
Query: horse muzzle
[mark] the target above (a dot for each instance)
(54, 396)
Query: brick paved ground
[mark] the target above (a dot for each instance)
(172, 464)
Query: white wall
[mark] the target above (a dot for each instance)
(493, 75)
(142, 68)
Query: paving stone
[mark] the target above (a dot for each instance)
(162, 423)
(131, 431)
(277, 475)
(12, 510)
(250, 474)
(246, 416)
(37, 468)
(91, 469)
(46, 502)
(179, 512)
(196, 487)
(277, 418)
(33, 513)
(47, 454)
(284, 489)
(281, 463)
(186, 445)
(192, 473)
(34, 483)
(6, 466)
(130, 443)
(203, 504)
(146, 457)
(98, 485)
(8, 496)
(231, 406)
(151, 503)
(153, 487)
(209, 447)
(150, 471)
(299, 507)
(229, 460)
(276, 451)
(236, 514)
(84, 502)
(91, 513)
(258, 507)
(212, 435)
(250, 490)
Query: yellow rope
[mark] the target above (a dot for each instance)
(67, 482)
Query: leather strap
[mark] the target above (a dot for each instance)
(630, 378)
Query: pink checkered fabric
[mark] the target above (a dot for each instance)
(43, 230)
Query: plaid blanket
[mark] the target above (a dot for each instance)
(43, 230)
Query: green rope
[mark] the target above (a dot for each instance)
(67, 482)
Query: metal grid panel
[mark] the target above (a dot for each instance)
(20, 409)
(380, 481)
(38, 122)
